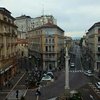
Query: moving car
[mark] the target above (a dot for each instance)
(88, 73)
(98, 85)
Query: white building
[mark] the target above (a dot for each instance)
(39, 21)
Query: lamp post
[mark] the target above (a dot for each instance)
(29, 62)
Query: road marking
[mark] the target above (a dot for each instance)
(92, 97)
(75, 71)
(3, 92)
(25, 92)
(53, 98)
(92, 86)
(15, 85)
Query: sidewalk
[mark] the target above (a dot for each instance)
(6, 89)
(96, 76)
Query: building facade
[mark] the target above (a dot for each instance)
(39, 21)
(45, 45)
(68, 42)
(8, 46)
(24, 24)
(93, 44)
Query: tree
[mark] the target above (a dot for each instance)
(81, 41)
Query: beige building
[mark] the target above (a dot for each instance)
(45, 45)
(93, 43)
(24, 24)
(8, 46)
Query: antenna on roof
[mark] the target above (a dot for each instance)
(43, 9)
(43, 12)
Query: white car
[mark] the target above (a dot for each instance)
(72, 65)
(50, 73)
(88, 73)
(98, 85)
(46, 78)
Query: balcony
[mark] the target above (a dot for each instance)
(49, 59)
(98, 59)
(98, 42)
(6, 22)
(98, 52)
(50, 43)
(50, 51)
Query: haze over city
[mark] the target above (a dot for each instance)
(73, 16)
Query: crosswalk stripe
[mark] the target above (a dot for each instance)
(75, 70)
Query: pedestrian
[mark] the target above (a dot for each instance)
(9, 84)
(1, 88)
(38, 93)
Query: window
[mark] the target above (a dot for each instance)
(98, 49)
(99, 30)
(46, 40)
(46, 48)
(52, 40)
(98, 39)
(5, 19)
(49, 40)
(52, 48)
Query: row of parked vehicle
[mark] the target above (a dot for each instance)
(90, 74)
(35, 77)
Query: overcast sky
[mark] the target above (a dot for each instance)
(75, 17)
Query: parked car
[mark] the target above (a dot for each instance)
(46, 78)
(50, 74)
(98, 85)
(88, 73)
(72, 65)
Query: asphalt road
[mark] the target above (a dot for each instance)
(77, 81)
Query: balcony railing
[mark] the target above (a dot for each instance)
(98, 59)
(50, 59)
(49, 51)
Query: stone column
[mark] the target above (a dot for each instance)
(44, 67)
(66, 70)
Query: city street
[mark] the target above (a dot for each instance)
(77, 80)
(47, 55)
